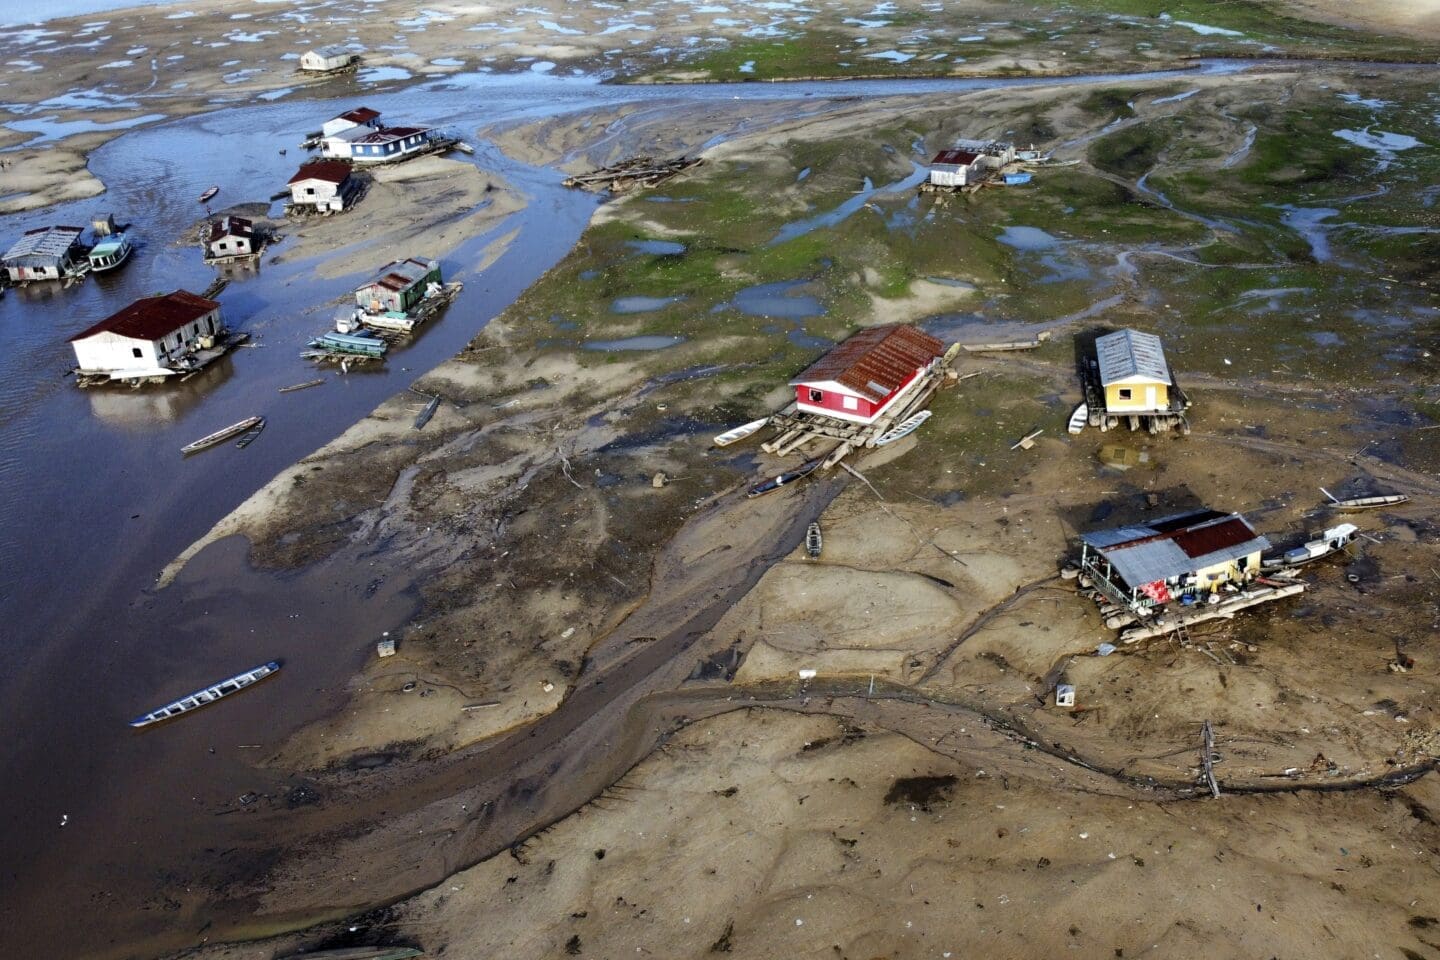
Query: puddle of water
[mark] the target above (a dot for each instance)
(660, 248)
(643, 342)
(1177, 97)
(1028, 238)
(778, 299)
(1122, 457)
(1383, 145)
(641, 304)
(1309, 223)
(383, 74)
(51, 128)
(832, 217)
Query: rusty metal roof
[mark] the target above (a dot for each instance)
(960, 158)
(151, 318)
(359, 115)
(875, 362)
(231, 227)
(1175, 546)
(330, 171)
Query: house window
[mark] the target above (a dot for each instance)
(135, 352)
(1125, 393)
(310, 190)
(817, 396)
(850, 403)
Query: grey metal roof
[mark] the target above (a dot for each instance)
(333, 50)
(1164, 550)
(45, 242)
(1130, 353)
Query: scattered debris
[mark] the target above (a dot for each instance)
(636, 171)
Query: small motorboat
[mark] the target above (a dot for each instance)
(109, 253)
(1330, 542)
(903, 429)
(221, 435)
(207, 695)
(464, 147)
(780, 480)
(740, 432)
(208, 194)
(813, 541)
(1079, 418)
(347, 343)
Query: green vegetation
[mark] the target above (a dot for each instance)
(1132, 152)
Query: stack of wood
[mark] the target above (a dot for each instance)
(636, 171)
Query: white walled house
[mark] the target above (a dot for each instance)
(956, 168)
(325, 186)
(361, 145)
(152, 337)
(349, 120)
(230, 237)
(325, 59)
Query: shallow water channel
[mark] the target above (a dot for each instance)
(98, 499)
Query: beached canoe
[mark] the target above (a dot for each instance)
(903, 429)
(740, 432)
(248, 437)
(1079, 418)
(204, 197)
(813, 541)
(208, 695)
(221, 435)
(780, 480)
(1371, 503)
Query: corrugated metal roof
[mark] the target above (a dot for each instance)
(1130, 353)
(957, 157)
(334, 50)
(390, 133)
(45, 242)
(330, 171)
(876, 361)
(359, 115)
(231, 227)
(151, 318)
(403, 274)
(1143, 554)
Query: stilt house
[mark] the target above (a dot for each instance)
(863, 377)
(1133, 373)
(1186, 557)
(230, 237)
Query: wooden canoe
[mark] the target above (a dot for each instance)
(207, 695)
(248, 437)
(208, 194)
(1371, 503)
(903, 429)
(740, 432)
(780, 480)
(221, 435)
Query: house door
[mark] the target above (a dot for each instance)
(1149, 398)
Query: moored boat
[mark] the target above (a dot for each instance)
(1365, 503)
(1330, 542)
(207, 695)
(740, 432)
(1079, 418)
(780, 480)
(351, 344)
(903, 429)
(109, 253)
(204, 197)
(813, 541)
(248, 437)
(221, 435)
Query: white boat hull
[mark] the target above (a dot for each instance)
(1078, 418)
(740, 433)
(904, 429)
(206, 696)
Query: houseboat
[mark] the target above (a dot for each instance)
(153, 339)
(1128, 380)
(862, 379)
(329, 59)
(46, 253)
(109, 253)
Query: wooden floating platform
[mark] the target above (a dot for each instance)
(1258, 592)
(636, 171)
(187, 367)
(1006, 345)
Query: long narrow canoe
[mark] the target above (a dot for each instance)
(209, 193)
(740, 432)
(1079, 418)
(1370, 503)
(780, 480)
(221, 435)
(248, 437)
(208, 695)
(903, 429)
(302, 386)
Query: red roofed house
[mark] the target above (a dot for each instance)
(359, 117)
(150, 338)
(230, 237)
(323, 185)
(863, 377)
(957, 168)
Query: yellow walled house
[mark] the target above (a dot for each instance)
(1133, 373)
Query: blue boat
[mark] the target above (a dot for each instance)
(1015, 179)
(207, 695)
(109, 253)
(351, 344)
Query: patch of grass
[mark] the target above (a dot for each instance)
(1111, 102)
(1132, 152)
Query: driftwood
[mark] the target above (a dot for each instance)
(636, 171)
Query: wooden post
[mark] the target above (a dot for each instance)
(1207, 759)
